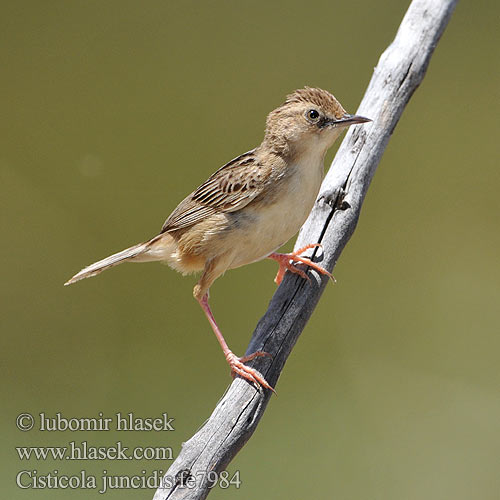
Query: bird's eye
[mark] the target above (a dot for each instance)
(313, 115)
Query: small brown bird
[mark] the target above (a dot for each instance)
(249, 207)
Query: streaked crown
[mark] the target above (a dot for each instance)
(303, 122)
(316, 97)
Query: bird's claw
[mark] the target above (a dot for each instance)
(285, 265)
(239, 368)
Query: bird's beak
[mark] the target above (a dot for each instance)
(347, 120)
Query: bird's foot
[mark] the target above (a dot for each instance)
(238, 367)
(285, 260)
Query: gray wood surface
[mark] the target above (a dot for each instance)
(332, 221)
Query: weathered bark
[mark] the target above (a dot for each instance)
(332, 221)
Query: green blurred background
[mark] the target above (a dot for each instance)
(113, 111)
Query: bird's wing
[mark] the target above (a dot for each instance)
(230, 188)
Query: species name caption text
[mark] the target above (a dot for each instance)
(85, 450)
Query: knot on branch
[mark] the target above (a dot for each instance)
(335, 198)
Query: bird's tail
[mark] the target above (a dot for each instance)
(142, 252)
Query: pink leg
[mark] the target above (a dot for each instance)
(284, 261)
(237, 364)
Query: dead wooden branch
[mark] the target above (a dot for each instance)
(399, 71)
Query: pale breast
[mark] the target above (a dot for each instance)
(264, 227)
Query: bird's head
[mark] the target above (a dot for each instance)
(310, 118)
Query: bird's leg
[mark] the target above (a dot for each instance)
(237, 364)
(285, 261)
